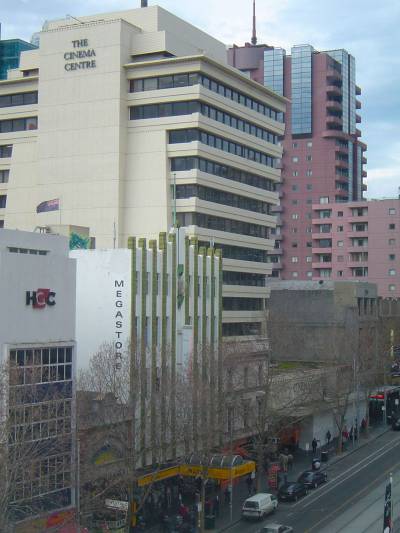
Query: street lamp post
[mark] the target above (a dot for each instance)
(230, 423)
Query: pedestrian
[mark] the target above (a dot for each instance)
(249, 483)
(328, 437)
(363, 425)
(216, 505)
(290, 461)
(227, 495)
(351, 433)
(285, 463)
(314, 445)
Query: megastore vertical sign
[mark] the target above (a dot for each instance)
(119, 342)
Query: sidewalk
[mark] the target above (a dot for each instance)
(302, 461)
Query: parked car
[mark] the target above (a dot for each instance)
(396, 424)
(292, 491)
(312, 479)
(275, 528)
(259, 505)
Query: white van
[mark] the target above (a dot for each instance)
(259, 505)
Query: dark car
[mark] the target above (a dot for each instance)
(396, 424)
(292, 491)
(312, 479)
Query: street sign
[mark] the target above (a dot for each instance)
(119, 505)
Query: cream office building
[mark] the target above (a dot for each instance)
(115, 113)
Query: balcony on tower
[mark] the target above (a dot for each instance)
(334, 122)
(334, 105)
(333, 91)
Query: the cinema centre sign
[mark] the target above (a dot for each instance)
(81, 57)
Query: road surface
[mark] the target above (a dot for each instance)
(353, 499)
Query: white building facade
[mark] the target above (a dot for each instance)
(167, 296)
(115, 113)
(37, 358)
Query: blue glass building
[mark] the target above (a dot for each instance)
(10, 52)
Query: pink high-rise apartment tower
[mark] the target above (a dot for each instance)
(323, 156)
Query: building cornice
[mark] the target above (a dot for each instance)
(226, 68)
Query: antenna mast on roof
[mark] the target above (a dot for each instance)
(254, 36)
(143, 3)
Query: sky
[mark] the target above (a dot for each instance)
(367, 29)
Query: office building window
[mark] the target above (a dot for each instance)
(309, 259)
(309, 201)
(294, 244)
(3, 201)
(340, 228)
(309, 244)
(309, 144)
(6, 150)
(324, 200)
(340, 258)
(309, 187)
(392, 211)
(4, 175)
(340, 273)
(295, 173)
(295, 274)
(194, 78)
(238, 252)
(340, 244)
(309, 173)
(392, 272)
(10, 100)
(392, 242)
(189, 107)
(309, 274)
(294, 145)
(242, 304)
(392, 257)
(243, 278)
(295, 159)
(392, 226)
(220, 143)
(295, 259)
(221, 197)
(392, 288)
(308, 157)
(295, 216)
(179, 164)
(295, 188)
(295, 202)
(340, 213)
(222, 224)
(18, 124)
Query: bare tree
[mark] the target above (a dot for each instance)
(33, 438)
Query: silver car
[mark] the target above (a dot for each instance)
(276, 528)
